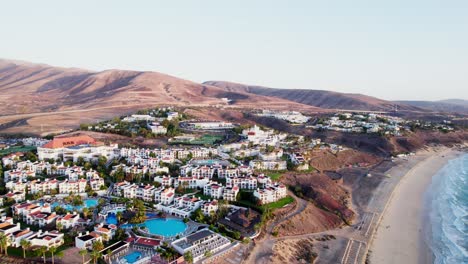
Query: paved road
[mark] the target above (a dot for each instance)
(264, 247)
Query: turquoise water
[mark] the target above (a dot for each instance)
(87, 204)
(162, 227)
(447, 201)
(133, 257)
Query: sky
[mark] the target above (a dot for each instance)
(412, 50)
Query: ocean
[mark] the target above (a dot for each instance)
(446, 231)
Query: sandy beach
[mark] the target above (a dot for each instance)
(399, 237)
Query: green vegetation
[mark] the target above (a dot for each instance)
(278, 204)
(205, 139)
(274, 175)
(17, 149)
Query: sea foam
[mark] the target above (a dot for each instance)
(447, 205)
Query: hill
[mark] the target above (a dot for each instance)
(57, 99)
(317, 98)
(446, 106)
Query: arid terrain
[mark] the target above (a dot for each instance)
(42, 99)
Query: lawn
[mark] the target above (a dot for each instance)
(274, 175)
(278, 204)
(17, 149)
(203, 140)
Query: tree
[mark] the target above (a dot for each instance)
(83, 253)
(95, 255)
(4, 243)
(53, 250)
(41, 252)
(188, 257)
(98, 246)
(85, 212)
(59, 226)
(25, 244)
(119, 216)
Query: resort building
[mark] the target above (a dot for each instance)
(48, 239)
(7, 227)
(16, 196)
(45, 186)
(210, 207)
(230, 193)
(72, 148)
(16, 237)
(67, 186)
(182, 206)
(106, 231)
(268, 164)
(164, 180)
(157, 128)
(68, 221)
(190, 182)
(242, 220)
(249, 182)
(209, 125)
(271, 193)
(200, 243)
(142, 192)
(214, 190)
(164, 195)
(87, 240)
(41, 219)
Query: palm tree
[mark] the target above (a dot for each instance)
(41, 252)
(119, 216)
(109, 254)
(25, 244)
(59, 226)
(83, 253)
(52, 251)
(4, 243)
(85, 212)
(95, 255)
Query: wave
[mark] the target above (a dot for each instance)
(447, 202)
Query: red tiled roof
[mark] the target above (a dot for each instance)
(70, 141)
(147, 241)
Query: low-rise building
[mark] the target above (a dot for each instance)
(86, 240)
(200, 243)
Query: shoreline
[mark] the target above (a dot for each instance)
(400, 235)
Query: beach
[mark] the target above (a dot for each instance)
(400, 235)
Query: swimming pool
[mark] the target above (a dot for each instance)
(132, 257)
(111, 219)
(88, 203)
(163, 227)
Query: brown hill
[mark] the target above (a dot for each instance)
(57, 99)
(318, 98)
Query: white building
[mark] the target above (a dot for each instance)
(200, 243)
(271, 193)
(268, 164)
(214, 190)
(72, 148)
(86, 240)
(157, 128)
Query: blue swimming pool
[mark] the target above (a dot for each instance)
(133, 257)
(111, 219)
(163, 227)
(87, 204)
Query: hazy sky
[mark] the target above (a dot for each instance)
(414, 49)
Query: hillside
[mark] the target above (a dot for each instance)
(57, 99)
(317, 98)
(447, 106)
